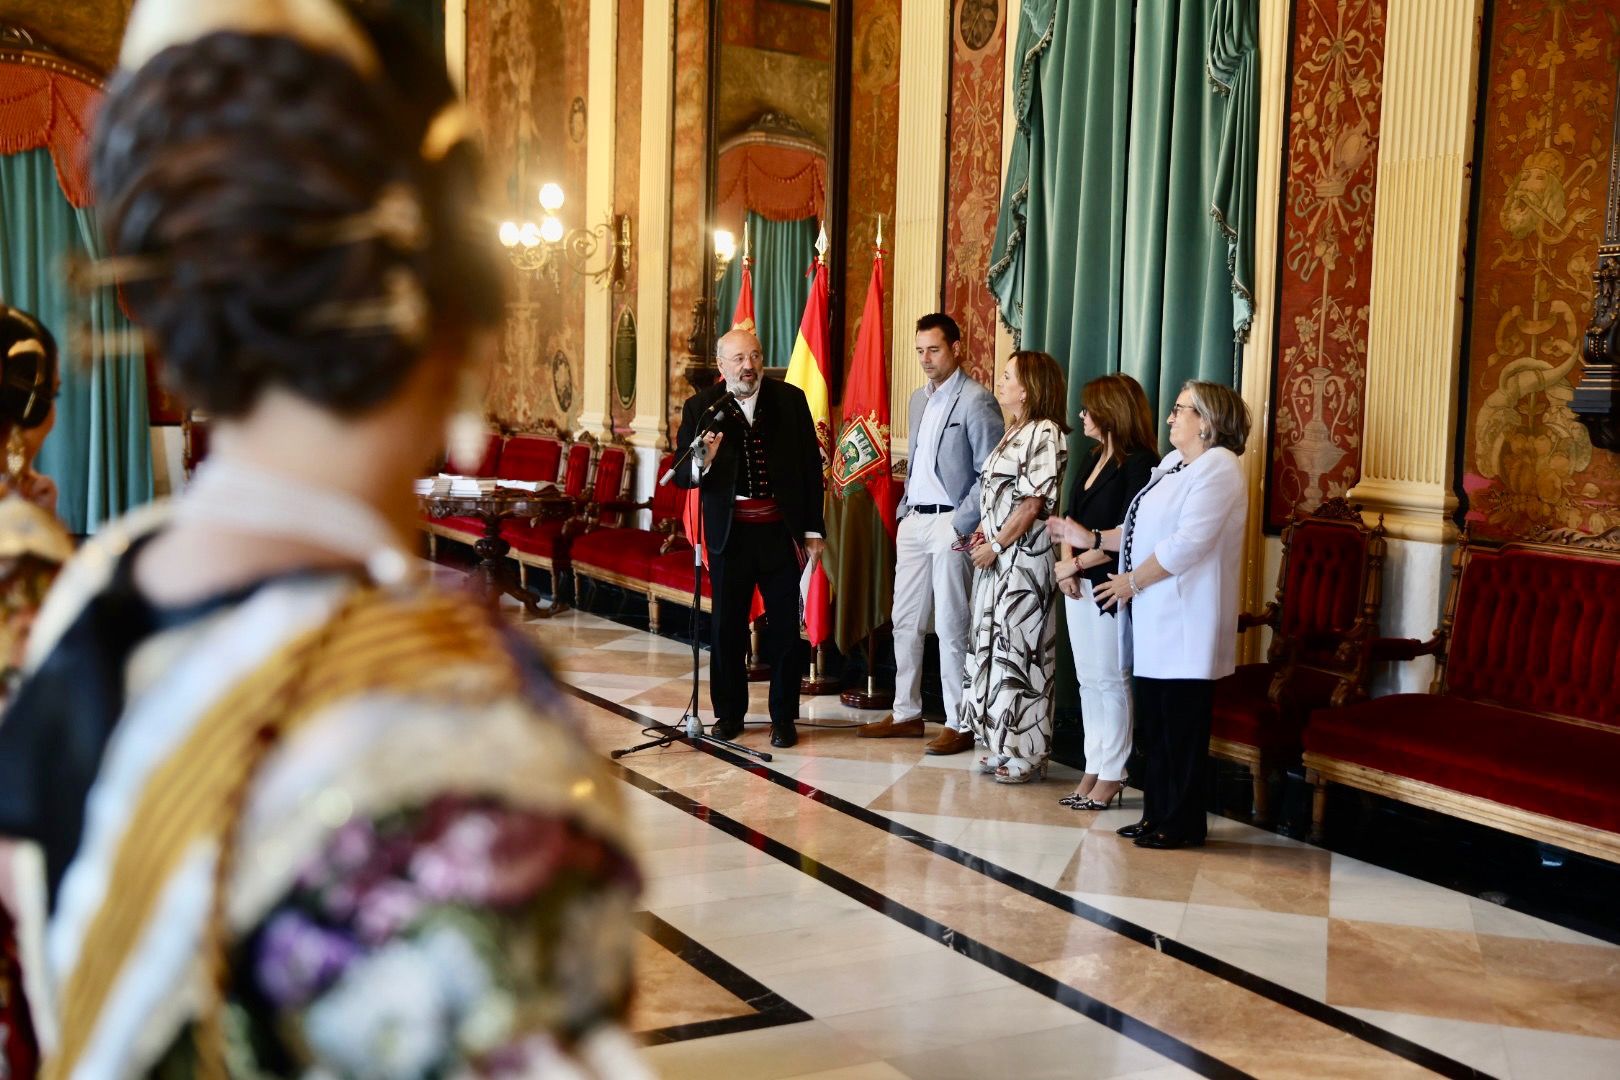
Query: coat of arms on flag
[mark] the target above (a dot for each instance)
(862, 450)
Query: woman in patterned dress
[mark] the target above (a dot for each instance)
(1007, 698)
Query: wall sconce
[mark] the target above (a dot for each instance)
(546, 246)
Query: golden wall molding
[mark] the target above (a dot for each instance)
(596, 411)
(919, 199)
(652, 231)
(455, 43)
(1431, 72)
(1254, 382)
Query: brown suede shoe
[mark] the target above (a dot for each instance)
(887, 728)
(950, 742)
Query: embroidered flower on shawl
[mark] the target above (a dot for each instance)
(461, 930)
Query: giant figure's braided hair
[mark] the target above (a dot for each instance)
(231, 171)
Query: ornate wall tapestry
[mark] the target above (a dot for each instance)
(526, 67)
(1325, 271)
(1530, 469)
(627, 178)
(973, 174)
(874, 139)
(688, 245)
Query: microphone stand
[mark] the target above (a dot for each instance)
(691, 730)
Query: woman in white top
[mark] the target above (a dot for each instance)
(1180, 561)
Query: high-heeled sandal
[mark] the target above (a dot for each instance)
(1074, 798)
(1092, 804)
(1018, 771)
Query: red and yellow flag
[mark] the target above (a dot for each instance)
(808, 371)
(861, 515)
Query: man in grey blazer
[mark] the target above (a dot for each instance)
(955, 423)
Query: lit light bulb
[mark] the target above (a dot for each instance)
(551, 230)
(725, 245)
(510, 234)
(551, 197)
(529, 234)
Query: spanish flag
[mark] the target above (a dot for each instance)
(808, 371)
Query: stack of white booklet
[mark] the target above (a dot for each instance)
(433, 485)
(522, 485)
(471, 485)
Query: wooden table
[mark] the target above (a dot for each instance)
(492, 578)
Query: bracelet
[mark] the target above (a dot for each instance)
(1096, 539)
(1131, 578)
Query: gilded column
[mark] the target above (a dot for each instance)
(595, 411)
(455, 43)
(919, 200)
(1258, 353)
(652, 231)
(1431, 72)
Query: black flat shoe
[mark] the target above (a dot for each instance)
(784, 737)
(1131, 832)
(1159, 841)
(727, 729)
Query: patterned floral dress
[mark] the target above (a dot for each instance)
(1007, 699)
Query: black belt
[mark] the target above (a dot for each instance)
(932, 508)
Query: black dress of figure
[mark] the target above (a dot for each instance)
(770, 556)
(1102, 506)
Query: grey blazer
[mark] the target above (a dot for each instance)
(973, 426)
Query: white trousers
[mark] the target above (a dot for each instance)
(931, 586)
(1105, 691)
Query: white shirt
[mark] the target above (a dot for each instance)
(923, 487)
(1185, 627)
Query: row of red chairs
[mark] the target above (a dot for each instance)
(594, 534)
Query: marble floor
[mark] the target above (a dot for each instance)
(856, 909)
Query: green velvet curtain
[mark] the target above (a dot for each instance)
(100, 451)
(1125, 237)
(783, 251)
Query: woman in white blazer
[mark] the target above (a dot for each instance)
(1180, 561)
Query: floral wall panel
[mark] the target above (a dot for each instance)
(1529, 466)
(1325, 271)
(627, 190)
(688, 245)
(973, 174)
(874, 134)
(526, 83)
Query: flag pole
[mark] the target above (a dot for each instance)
(872, 697)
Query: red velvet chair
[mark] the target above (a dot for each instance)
(1328, 594)
(461, 528)
(1521, 728)
(546, 542)
(622, 554)
(193, 441)
(532, 456)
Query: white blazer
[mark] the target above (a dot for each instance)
(1185, 627)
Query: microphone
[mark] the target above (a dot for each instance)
(702, 428)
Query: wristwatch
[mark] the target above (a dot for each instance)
(995, 546)
(1096, 539)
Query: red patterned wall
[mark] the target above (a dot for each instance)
(1326, 263)
(627, 190)
(1530, 467)
(973, 174)
(526, 84)
(874, 134)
